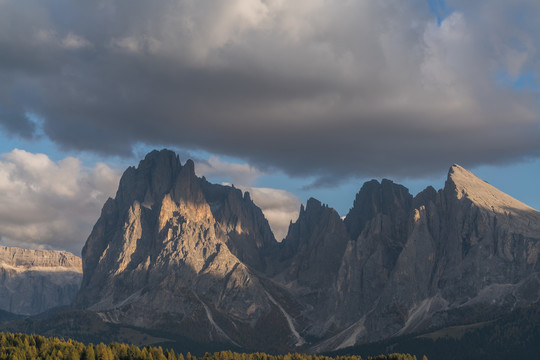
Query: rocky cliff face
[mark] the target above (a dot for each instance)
(465, 253)
(33, 281)
(174, 251)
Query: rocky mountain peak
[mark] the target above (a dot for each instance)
(464, 184)
(312, 209)
(424, 197)
(313, 214)
(175, 251)
(313, 203)
(247, 231)
(174, 247)
(314, 245)
(187, 186)
(374, 198)
(149, 181)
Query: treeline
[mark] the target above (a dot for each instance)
(29, 347)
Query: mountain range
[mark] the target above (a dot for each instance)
(176, 254)
(33, 281)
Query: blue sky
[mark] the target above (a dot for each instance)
(308, 100)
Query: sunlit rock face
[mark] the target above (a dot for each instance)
(34, 281)
(173, 251)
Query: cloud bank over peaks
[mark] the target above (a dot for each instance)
(313, 88)
(47, 204)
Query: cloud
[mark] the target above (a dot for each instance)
(47, 204)
(238, 174)
(331, 89)
(279, 207)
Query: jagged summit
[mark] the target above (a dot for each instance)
(313, 203)
(150, 180)
(374, 198)
(174, 251)
(172, 247)
(467, 185)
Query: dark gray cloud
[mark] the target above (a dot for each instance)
(331, 89)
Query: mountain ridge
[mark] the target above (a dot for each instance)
(395, 264)
(173, 251)
(33, 281)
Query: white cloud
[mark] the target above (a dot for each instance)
(280, 207)
(238, 174)
(47, 204)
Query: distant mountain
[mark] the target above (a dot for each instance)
(33, 281)
(173, 252)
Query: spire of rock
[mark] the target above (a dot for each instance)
(314, 244)
(375, 198)
(464, 184)
(187, 186)
(149, 181)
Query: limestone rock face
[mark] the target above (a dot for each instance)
(375, 199)
(312, 251)
(465, 253)
(33, 281)
(309, 260)
(247, 232)
(172, 251)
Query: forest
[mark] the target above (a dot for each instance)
(29, 347)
